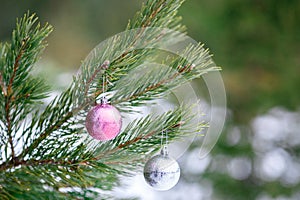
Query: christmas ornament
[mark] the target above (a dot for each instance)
(162, 172)
(103, 122)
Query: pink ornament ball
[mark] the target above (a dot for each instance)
(103, 122)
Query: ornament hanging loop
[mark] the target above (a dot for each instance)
(164, 147)
(103, 98)
(104, 66)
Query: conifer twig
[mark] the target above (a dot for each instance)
(33, 163)
(132, 141)
(104, 66)
(154, 86)
(16, 66)
(9, 98)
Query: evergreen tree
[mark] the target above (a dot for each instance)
(45, 151)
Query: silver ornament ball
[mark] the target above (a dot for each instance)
(162, 172)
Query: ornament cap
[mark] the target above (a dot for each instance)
(103, 100)
(164, 151)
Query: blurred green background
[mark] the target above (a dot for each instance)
(257, 44)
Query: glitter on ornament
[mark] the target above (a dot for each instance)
(162, 172)
(103, 122)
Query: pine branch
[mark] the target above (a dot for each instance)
(16, 65)
(159, 13)
(148, 85)
(23, 54)
(8, 93)
(54, 153)
(72, 111)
